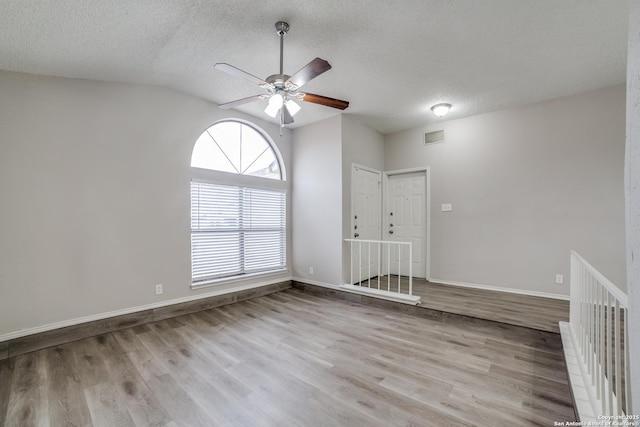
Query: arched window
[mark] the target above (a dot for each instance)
(236, 147)
(237, 227)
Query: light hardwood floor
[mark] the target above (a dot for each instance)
(515, 309)
(293, 359)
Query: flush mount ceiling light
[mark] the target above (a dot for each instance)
(282, 89)
(441, 109)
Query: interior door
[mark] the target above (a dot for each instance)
(365, 221)
(405, 221)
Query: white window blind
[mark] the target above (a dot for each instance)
(236, 230)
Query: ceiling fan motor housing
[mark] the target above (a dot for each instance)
(278, 80)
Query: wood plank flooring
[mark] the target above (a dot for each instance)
(59, 336)
(515, 309)
(293, 359)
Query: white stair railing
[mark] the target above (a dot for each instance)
(387, 276)
(599, 337)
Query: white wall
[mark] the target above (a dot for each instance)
(94, 196)
(527, 185)
(322, 156)
(317, 201)
(632, 193)
(364, 146)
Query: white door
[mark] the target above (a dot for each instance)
(365, 221)
(405, 221)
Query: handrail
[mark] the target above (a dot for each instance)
(606, 283)
(599, 337)
(392, 242)
(379, 256)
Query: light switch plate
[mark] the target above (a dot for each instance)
(447, 207)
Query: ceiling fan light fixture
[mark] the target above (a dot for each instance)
(293, 107)
(441, 109)
(272, 112)
(275, 103)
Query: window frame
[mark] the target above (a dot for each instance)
(274, 148)
(249, 181)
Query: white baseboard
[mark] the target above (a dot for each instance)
(500, 289)
(78, 320)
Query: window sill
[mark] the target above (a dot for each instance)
(236, 279)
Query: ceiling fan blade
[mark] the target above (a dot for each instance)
(230, 69)
(242, 101)
(326, 101)
(309, 72)
(287, 118)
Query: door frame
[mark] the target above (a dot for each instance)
(427, 201)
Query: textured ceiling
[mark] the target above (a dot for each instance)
(391, 59)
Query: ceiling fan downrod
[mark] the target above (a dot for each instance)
(281, 29)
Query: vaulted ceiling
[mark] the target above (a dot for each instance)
(391, 59)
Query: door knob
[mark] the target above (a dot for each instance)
(356, 235)
(390, 231)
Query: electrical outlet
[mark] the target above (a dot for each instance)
(310, 270)
(447, 207)
(559, 279)
(158, 289)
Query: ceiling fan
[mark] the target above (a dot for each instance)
(283, 90)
